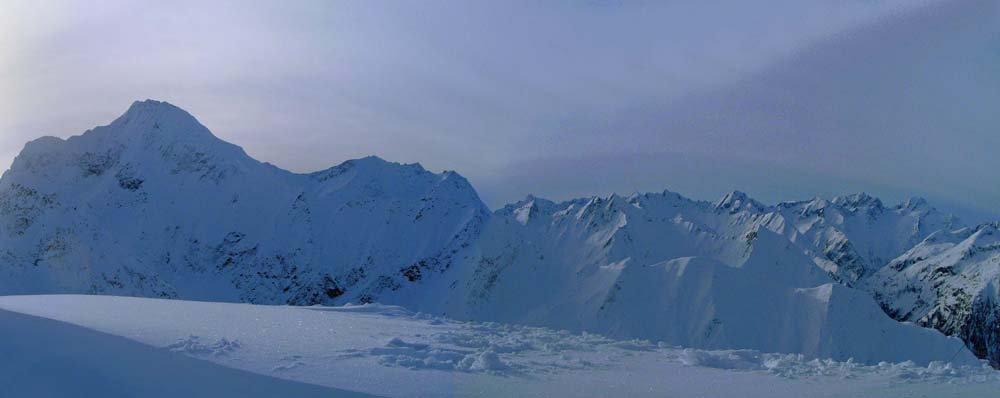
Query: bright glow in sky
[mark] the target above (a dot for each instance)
(784, 99)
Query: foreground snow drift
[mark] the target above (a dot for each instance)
(45, 358)
(386, 350)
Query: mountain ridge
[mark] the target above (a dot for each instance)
(155, 205)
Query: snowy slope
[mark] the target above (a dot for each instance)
(663, 267)
(858, 234)
(389, 351)
(949, 282)
(154, 205)
(46, 358)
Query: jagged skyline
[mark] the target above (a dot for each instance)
(176, 203)
(776, 104)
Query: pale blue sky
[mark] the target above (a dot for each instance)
(784, 99)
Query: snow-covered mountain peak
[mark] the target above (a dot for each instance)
(528, 209)
(672, 195)
(738, 201)
(374, 162)
(816, 205)
(151, 120)
(147, 203)
(857, 200)
(915, 203)
(986, 238)
(666, 199)
(526, 213)
(372, 167)
(153, 109)
(150, 139)
(993, 227)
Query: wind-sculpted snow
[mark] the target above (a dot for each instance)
(798, 366)
(154, 205)
(195, 346)
(394, 352)
(47, 358)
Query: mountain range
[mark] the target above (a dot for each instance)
(154, 205)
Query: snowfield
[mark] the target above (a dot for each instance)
(46, 358)
(389, 351)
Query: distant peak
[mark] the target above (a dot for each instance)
(373, 161)
(669, 193)
(367, 161)
(525, 213)
(818, 202)
(734, 195)
(529, 201)
(149, 104)
(151, 115)
(149, 109)
(857, 200)
(373, 166)
(372, 158)
(737, 200)
(915, 202)
(989, 228)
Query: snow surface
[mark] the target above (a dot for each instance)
(46, 358)
(389, 351)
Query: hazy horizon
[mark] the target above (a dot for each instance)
(557, 99)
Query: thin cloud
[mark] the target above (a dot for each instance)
(487, 88)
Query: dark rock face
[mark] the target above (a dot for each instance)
(948, 282)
